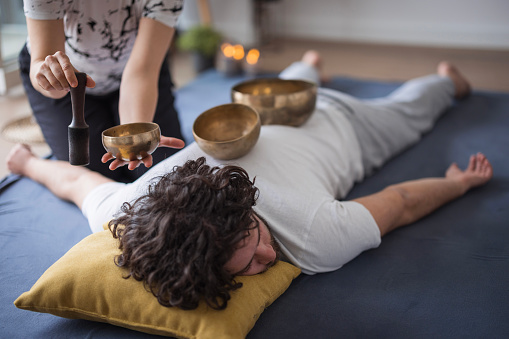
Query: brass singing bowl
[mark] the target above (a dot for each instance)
(228, 131)
(278, 101)
(132, 141)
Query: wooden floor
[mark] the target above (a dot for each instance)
(486, 70)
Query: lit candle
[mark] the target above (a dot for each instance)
(251, 64)
(227, 50)
(229, 59)
(238, 52)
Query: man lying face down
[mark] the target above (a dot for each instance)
(192, 223)
(180, 238)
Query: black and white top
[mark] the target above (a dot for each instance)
(100, 34)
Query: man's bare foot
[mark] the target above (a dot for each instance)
(478, 172)
(312, 58)
(18, 158)
(461, 84)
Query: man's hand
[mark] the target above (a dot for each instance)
(478, 172)
(147, 161)
(401, 204)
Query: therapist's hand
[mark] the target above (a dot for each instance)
(147, 161)
(55, 75)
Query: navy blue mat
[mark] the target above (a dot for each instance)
(446, 276)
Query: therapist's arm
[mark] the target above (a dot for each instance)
(139, 86)
(51, 72)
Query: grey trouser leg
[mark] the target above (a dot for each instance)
(387, 126)
(301, 71)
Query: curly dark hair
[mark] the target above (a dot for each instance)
(178, 237)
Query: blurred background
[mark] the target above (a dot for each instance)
(390, 40)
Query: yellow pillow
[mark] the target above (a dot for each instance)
(86, 284)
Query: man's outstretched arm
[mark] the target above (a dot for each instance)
(402, 204)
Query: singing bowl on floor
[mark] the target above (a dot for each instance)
(228, 131)
(132, 141)
(278, 101)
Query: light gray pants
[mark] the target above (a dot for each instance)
(386, 126)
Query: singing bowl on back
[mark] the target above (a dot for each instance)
(132, 141)
(278, 101)
(228, 131)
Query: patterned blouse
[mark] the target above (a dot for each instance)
(100, 34)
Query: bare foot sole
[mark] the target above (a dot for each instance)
(18, 158)
(478, 172)
(462, 86)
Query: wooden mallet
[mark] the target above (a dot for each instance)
(79, 135)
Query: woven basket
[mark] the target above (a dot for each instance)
(24, 130)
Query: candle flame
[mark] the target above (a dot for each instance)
(252, 56)
(228, 50)
(238, 53)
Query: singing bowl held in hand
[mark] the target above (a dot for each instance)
(278, 101)
(228, 131)
(132, 141)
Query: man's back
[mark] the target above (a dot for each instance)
(300, 173)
